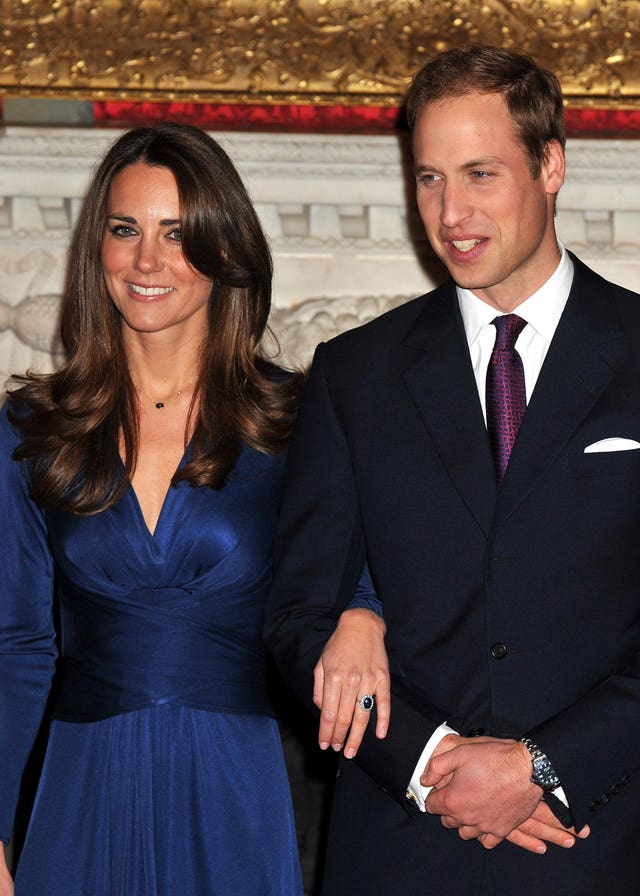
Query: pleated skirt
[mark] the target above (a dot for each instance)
(164, 801)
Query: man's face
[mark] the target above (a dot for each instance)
(487, 219)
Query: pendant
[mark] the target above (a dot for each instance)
(159, 404)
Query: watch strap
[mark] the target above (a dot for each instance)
(543, 774)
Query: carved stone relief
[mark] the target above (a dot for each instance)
(338, 211)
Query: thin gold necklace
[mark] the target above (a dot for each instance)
(161, 404)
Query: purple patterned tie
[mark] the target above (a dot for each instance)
(506, 395)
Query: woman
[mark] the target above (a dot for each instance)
(141, 482)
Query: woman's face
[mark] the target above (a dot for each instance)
(150, 282)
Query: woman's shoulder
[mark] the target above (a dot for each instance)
(10, 435)
(11, 412)
(14, 410)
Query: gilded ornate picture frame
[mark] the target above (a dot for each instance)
(287, 53)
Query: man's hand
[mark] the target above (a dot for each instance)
(532, 833)
(542, 826)
(481, 786)
(353, 663)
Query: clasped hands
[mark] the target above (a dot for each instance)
(482, 787)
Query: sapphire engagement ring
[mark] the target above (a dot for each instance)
(366, 702)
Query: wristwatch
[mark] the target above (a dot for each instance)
(544, 774)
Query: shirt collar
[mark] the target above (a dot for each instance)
(542, 310)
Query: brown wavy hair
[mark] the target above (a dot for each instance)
(72, 420)
(532, 94)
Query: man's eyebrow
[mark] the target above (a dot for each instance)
(482, 163)
(466, 166)
(420, 169)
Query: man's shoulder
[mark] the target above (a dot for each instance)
(609, 304)
(389, 328)
(584, 274)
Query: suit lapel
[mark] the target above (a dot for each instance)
(443, 388)
(580, 364)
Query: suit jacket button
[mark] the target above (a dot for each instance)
(499, 651)
(475, 732)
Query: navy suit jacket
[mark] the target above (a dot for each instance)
(511, 611)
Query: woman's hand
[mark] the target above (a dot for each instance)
(354, 663)
(6, 881)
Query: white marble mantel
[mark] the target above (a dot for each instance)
(338, 210)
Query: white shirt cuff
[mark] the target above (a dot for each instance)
(416, 793)
(559, 792)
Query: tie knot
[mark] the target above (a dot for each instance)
(509, 327)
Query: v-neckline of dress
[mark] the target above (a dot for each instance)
(153, 535)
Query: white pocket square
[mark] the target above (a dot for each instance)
(613, 444)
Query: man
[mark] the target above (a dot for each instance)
(502, 541)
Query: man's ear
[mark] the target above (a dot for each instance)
(553, 167)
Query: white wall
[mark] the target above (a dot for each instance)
(338, 211)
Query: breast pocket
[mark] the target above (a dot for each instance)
(604, 463)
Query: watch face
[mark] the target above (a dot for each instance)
(544, 774)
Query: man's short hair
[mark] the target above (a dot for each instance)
(532, 94)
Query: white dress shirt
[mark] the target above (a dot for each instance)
(542, 311)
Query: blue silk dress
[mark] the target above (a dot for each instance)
(164, 772)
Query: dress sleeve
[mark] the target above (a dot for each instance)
(27, 637)
(366, 596)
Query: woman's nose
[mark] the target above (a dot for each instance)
(148, 257)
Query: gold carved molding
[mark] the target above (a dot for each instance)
(351, 52)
